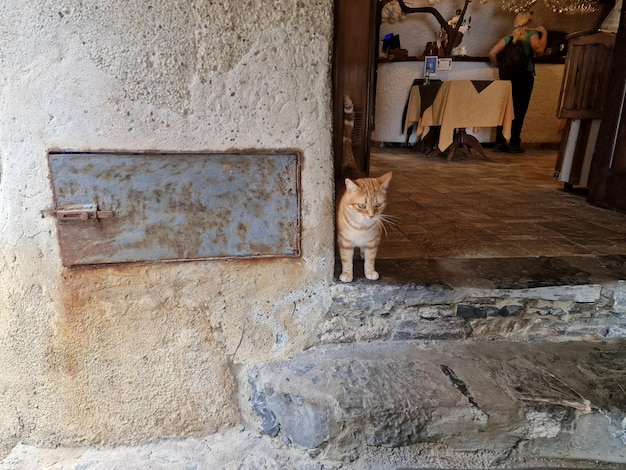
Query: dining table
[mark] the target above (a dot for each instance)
(456, 105)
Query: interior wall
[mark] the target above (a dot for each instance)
(394, 79)
(138, 352)
(489, 23)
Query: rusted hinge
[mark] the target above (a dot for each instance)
(78, 212)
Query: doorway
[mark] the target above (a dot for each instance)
(509, 208)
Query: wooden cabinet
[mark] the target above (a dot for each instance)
(607, 179)
(582, 101)
(586, 76)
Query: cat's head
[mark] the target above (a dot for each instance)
(366, 198)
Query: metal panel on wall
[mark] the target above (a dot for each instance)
(119, 208)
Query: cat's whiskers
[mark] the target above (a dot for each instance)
(390, 219)
(386, 219)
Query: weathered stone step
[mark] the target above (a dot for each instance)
(526, 298)
(546, 400)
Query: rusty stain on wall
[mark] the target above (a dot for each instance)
(178, 206)
(107, 339)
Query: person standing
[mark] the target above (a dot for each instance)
(534, 41)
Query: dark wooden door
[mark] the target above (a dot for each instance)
(355, 52)
(607, 179)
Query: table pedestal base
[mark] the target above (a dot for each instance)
(464, 143)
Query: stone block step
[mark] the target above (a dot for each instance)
(523, 299)
(561, 400)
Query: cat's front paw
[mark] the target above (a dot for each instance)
(345, 277)
(372, 275)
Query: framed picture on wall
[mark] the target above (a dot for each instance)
(430, 65)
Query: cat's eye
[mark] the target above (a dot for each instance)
(378, 205)
(361, 205)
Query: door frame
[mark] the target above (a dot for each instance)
(354, 68)
(607, 178)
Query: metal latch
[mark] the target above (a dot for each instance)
(80, 212)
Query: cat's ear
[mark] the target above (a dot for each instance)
(385, 179)
(351, 185)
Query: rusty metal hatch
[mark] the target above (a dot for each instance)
(133, 207)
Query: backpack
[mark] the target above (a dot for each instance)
(512, 61)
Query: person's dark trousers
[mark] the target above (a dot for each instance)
(521, 89)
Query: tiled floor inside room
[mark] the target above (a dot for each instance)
(507, 207)
(502, 223)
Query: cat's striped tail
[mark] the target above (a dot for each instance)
(348, 118)
(348, 165)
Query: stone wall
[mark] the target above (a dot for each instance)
(138, 352)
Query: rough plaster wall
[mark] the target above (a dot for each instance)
(121, 354)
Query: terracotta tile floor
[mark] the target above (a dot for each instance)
(504, 208)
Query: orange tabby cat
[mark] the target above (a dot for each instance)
(359, 209)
